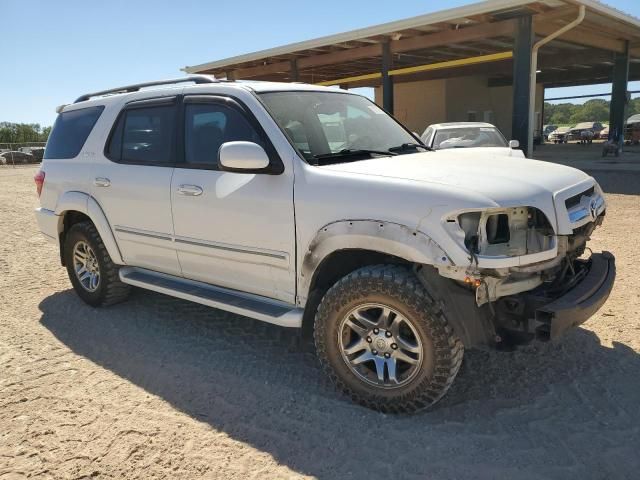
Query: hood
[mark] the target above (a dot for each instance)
(508, 181)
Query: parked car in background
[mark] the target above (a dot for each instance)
(36, 152)
(604, 133)
(592, 130)
(560, 135)
(632, 130)
(15, 158)
(470, 135)
(546, 131)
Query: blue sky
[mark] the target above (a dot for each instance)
(52, 51)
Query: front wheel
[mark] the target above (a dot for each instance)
(385, 341)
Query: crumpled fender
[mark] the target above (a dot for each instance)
(376, 235)
(85, 203)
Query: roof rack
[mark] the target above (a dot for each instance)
(135, 87)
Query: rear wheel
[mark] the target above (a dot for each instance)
(93, 274)
(385, 341)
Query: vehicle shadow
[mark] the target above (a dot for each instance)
(568, 410)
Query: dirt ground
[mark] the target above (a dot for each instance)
(160, 388)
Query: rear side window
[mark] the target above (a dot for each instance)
(208, 126)
(70, 132)
(144, 136)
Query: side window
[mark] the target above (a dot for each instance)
(70, 132)
(209, 125)
(144, 135)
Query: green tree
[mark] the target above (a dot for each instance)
(23, 132)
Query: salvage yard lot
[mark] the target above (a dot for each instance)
(161, 388)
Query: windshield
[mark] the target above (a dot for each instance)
(337, 126)
(468, 137)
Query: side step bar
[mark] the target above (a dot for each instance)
(247, 304)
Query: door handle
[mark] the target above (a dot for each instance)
(190, 190)
(102, 182)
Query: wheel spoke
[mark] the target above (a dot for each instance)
(366, 322)
(385, 317)
(361, 331)
(391, 370)
(380, 368)
(403, 357)
(366, 356)
(356, 346)
(407, 345)
(394, 327)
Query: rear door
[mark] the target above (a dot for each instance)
(234, 230)
(132, 181)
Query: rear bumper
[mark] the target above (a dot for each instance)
(48, 223)
(578, 304)
(543, 315)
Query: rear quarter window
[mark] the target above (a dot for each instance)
(70, 132)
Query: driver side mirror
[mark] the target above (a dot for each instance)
(242, 157)
(514, 144)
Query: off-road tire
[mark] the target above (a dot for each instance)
(399, 288)
(110, 289)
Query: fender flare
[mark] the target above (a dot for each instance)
(375, 235)
(85, 203)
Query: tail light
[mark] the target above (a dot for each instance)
(39, 179)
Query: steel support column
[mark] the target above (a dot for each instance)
(293, 72)
(523, 43)
(619, 95)
(387, 80)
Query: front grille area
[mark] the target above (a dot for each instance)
(575, 200)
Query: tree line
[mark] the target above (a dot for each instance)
(23, 132)
(596, 110)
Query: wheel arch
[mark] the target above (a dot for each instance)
(342, 247)
(74, 207)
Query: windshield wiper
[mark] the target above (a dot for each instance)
(346, 153)
(410, 146)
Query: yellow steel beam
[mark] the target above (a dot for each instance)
(494, 57)
(368, 76)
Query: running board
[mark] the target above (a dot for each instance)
(247, 304)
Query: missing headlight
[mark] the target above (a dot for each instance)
(498, 229)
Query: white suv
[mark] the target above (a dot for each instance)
(312, 208)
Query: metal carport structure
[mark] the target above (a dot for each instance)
(497, 38)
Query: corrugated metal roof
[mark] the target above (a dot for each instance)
(449, 15)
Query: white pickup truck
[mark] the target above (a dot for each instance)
(312, 208)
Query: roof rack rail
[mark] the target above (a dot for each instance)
(138, 86)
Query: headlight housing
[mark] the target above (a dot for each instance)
(500, 232)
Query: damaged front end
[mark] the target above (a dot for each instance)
(532, 282)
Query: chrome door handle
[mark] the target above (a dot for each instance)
(190, 190)
(102, 182)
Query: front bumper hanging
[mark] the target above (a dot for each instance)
(578, 304)
(544, 316)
